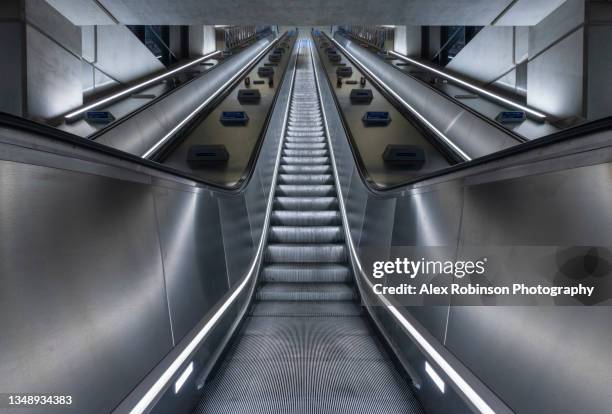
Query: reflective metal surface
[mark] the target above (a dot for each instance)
(534, 359)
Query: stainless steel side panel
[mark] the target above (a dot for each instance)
(141, 131)
(83, 308)
(193, 254)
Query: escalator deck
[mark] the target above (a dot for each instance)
(305, 346)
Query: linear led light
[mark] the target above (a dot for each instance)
(467, 390)
(435, 377)
(468, 85)
(431, 126)
(160, 384)
(183, 378)
(166, 137)
(136, 87)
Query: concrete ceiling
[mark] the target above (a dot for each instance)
(306, 12)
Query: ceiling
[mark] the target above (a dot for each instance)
(306, 12)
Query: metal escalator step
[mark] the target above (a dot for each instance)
(305, 152)
(305, 253)
(304, 160)
(305, 124)
(305, 169)
(306, 203)
(299, 343)
(305, 179)
(305, 140)
(305, 234)
(315, 273)
(346, 405)
(305, 292)
(305, 218)
(306, 128)
(305, 145)
(306, 134)
(289, 325)
(308, 190)
(288, 308)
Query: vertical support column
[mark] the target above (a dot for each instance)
(201, 40)
(407, 40)
(598, 32)
(556, 69)
(41, 71)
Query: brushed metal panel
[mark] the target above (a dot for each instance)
(237, 240)
(356, 202)
(561, 208)
(194, 260)
(378, 223)
(538, 360)
(82, 305)
(255, 197)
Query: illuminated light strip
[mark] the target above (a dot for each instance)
(183, 378)
(475, 88)
(136, 87)
(414, 333)
(431, 126)
(166, 137)
(161, 383)
(435, 377)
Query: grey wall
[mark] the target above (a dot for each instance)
(201, 40)
(116, 52)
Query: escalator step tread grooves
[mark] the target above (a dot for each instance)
(305, 346)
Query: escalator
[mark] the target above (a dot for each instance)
(198, 297)
(306, 345)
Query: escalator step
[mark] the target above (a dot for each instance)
(314, 273)
(306, 203)
(305, 169)
(300, 292)
(305, 253)
(297, 190)
(306, 218)
(306, 234)
(305, 179)
(304, 160)
(284, 308)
